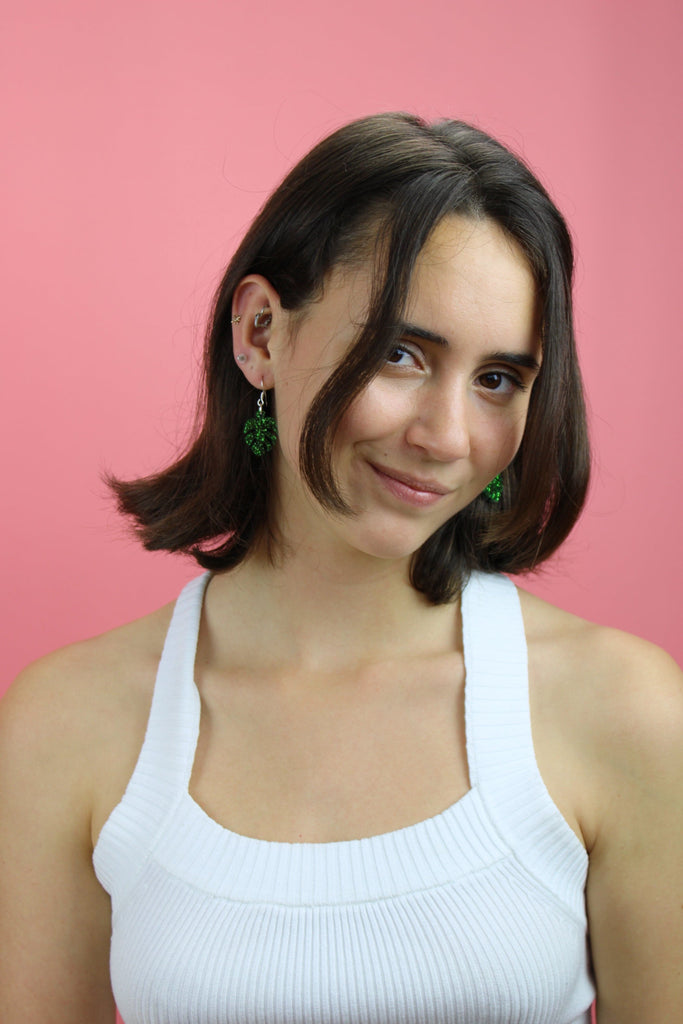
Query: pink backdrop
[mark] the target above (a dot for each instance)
(138, 140)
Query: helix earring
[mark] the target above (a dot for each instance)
(263, 318)
(260, 431)
(494, 490)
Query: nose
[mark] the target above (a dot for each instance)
(440, 425)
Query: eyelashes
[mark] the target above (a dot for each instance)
(495, 378)
(398, 350)
(495, 381)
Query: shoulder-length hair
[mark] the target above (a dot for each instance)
(380, 185)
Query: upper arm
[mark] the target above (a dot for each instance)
(635, 880)
(54, 915)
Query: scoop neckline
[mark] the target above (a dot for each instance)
(338, 844)
(441, 817)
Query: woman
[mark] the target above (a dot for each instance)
(368, 780)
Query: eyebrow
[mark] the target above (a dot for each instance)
(520, 359)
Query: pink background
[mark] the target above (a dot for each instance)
(138, 140)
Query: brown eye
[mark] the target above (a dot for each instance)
(402, 356)
(492, 380)
(501, 383)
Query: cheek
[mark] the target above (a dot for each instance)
(512, 436)
(498, 437)
(293, 405)
(378, 412)
(289, 426)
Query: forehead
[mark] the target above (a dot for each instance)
(472, 277)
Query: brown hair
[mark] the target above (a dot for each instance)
(392, 177)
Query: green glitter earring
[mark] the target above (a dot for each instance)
(494, 490)
(260, 431)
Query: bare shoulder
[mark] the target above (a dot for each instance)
(609, 711)
(81, 711)
(622, 675)
(71, 727)
(610, 701)
(79, 681)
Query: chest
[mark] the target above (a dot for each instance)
(319, 759)
(485, 947)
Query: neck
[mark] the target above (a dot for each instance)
(327, 612)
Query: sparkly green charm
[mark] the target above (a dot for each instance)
(494, 490)
(260, 431)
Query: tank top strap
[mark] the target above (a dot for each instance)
(173, 726)
(500, 750)
(164, 766)
(498, 723)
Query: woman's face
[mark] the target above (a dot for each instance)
(445, 413)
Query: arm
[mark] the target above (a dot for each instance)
(54, 915)
(635, 881)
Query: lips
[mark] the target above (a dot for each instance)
(415, 483)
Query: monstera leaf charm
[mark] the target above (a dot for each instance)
(260, 433)
(494, 490)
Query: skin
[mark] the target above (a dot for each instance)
(336, 710)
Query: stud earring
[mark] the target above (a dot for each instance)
(260, 431)
(494, 490)
(242, 358)
(236, 318)
(263, 318)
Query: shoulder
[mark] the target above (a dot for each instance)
(69, 728)
(84, 676)
(600, 662)
(615, 698)
(613, 705)
(77, 713)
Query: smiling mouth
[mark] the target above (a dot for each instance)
(409, 488)
(425, 486)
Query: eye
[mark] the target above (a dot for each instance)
(401, 355)
(501, 383)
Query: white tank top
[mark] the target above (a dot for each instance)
(474, 916)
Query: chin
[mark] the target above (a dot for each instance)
(388, 545)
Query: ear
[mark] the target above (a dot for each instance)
(257, 318)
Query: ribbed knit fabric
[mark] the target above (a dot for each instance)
(474, 916)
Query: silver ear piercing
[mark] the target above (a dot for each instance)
(263, 318)
(241, 358)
